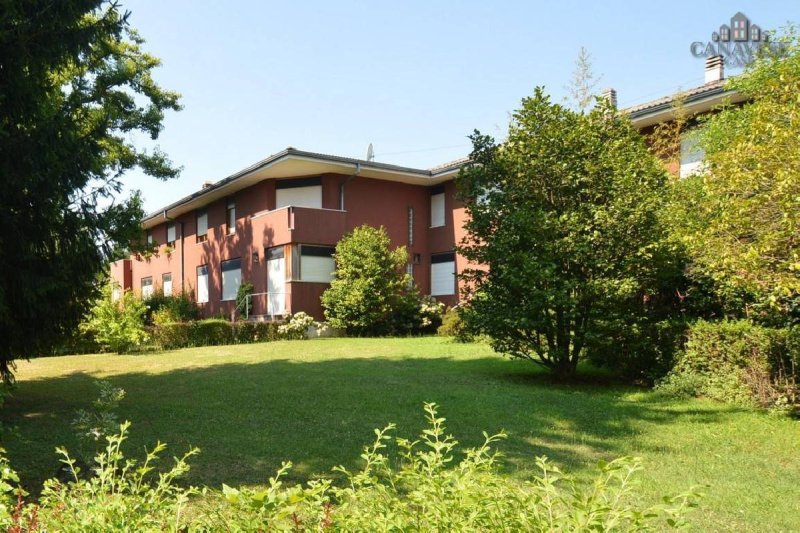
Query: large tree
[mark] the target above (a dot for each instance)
(74, 86)
(563, 221)
(740, 218)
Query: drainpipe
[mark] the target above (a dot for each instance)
(168, 219)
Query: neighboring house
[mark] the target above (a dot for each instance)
(276, 224)
(696, 102)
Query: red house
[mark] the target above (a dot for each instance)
(276, 223)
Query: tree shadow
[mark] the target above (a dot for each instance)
(247, 418)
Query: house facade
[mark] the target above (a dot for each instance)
(276, 224)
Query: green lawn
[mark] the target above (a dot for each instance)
(316, 402)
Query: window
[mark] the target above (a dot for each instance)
(316, 263)
(171, 233)
(443, 272)
(230, 217)
(149, 238)
(437, 207)
(410, 272)
(202, 225)
(147, 287)
(692, 155)
(166, 284)
(231, 278)
(202, 284)
(304, 192)
(410, 226)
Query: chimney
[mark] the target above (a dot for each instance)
(715, 69)
(610, 95)
(207, 184)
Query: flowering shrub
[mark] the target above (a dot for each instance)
(297, 325)
(431, 312)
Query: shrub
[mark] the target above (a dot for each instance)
(247, 332)
(211, 332)
(92, 426)
(369, 293)
(117, 326)
(175, 308)
(431, 312)
(637, 348)
(245, 290)
(453, 326)
(297, 325)
(122, 495)
(428, 485)
(172, 335)
(738, 362)
(422, 488)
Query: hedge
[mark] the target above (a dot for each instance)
(738, 362)
(212, 332)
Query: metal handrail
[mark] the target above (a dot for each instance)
(246, 301)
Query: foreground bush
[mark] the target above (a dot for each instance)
(738, 362)
(423, 487)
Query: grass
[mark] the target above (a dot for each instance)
(316, 402)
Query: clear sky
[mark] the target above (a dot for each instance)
(412, 77)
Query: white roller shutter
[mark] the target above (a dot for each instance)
(231, 278)
(300, 197)
(437, 210)
(316, 263)
(202, 284)
(443, 271)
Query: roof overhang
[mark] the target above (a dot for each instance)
(693, 105)
(293, 163)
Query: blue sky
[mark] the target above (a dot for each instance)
(414, 77)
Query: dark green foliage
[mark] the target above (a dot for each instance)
(245, 290)
(175, 308)
(75, 86)
(738, 362)
(211, 332)
(370, 292)
(173, 335)
(564, 215)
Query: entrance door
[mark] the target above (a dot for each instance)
(276, 281)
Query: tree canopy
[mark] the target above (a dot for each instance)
(563, 215)
(370, 294)
(740, 217)
(75, 86)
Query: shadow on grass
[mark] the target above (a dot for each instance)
(247, 418)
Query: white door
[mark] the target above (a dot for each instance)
(276, 285)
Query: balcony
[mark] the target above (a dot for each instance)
(298, 225)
